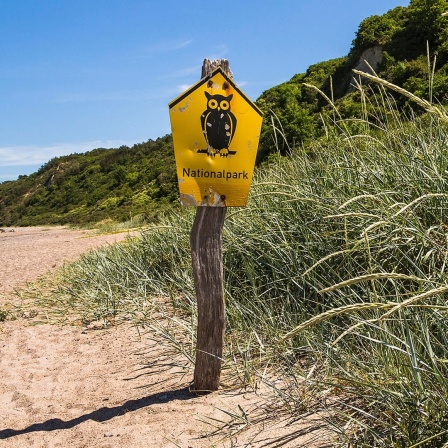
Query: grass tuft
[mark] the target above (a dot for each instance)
(335, 279)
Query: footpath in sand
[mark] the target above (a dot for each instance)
(69, 387)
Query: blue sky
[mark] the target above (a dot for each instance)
(80, 74)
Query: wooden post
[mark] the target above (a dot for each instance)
(206, 256)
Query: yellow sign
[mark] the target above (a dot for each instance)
(216, 130)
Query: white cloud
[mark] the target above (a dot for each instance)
(167, 46)
(105, 96)
(183, 44)
(137, 95)
(183, 72)
(15, 156)
(183, 87)
(4, 177)
(219, 52)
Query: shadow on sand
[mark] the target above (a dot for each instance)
(102, 414)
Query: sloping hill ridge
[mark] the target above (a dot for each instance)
(101, 184)
(407, 46)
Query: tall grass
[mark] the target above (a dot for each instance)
(335, 278)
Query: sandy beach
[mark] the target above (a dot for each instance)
(67, 386)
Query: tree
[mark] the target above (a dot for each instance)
(427, 24)
(375, 30)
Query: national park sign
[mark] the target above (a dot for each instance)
(216, 130)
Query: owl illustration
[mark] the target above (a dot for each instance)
(218, 125)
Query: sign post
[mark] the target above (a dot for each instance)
(216, 130)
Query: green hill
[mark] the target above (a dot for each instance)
(395, 46)
(407, 46)
(100, 184)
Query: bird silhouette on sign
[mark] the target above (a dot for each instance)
(218, 125)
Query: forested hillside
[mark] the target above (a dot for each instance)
(97, 185)
(407, 46)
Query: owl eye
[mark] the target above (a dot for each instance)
(224, 105)
(213, 104)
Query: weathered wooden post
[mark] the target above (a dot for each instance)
(216, 129)
(206, 256)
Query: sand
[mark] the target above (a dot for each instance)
(68, 386)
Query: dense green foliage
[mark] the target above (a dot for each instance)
(101, 184)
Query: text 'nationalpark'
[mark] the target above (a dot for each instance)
(223, 174)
